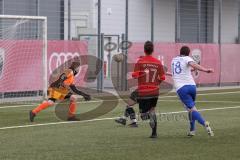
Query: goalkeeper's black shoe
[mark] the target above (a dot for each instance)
(31, 116)
(133, 125)
(73, 118)
(121, 121)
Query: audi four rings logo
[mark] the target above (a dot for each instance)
(1, 61)
(57, 59)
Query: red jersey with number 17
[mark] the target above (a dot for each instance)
(149, 72)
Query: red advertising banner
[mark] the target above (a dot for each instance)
(21, 62)
(230, 58)
(205, 54)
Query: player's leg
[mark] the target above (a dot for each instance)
(187, 94)
(198, 117)
(192, 125)
(72, 108)
(188, 101)
(153, 117)
(153, 122)
(129, 111)
(42, 106)
(147, 111)
(201, 119)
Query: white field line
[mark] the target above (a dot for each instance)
(160, 100)
(97, 101)
(103, 119)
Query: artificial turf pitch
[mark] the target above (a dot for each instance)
(103, 139)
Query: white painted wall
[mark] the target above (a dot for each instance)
(139, 20)
(229, 21)
(113, 16)
(113, 19)
(164, 21)
(83, 15)
(229, 26)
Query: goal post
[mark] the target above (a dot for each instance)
(23, 58)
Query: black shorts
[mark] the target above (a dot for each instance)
(134, 96)
(145, 103)
(66, 97)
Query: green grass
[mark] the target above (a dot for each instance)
(105, 140)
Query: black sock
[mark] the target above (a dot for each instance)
(130, 112)
(126, 114)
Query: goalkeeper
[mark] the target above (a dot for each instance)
(62, 89)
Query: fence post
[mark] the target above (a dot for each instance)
(102, 63)
(99, 45)
(199, 21)
(69, 19)
(126, 48)
(177, 22)
(220, 39)
(152, 20)
(122, 66)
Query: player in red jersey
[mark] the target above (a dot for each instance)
(150, 73)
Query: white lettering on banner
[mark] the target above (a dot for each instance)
(57, 59)
(2, 52)
(196, 55)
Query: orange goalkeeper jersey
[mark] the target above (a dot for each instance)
(58, 89)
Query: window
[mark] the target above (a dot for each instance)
(190, 29)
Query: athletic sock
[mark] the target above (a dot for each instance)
(126, 115)
(41, 107)
(154, 130)
(153, 123)
(131, 113)
(197, 116)
(191, 121)
(72, 109)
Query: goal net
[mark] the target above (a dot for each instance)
(23, 58)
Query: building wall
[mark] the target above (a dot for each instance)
(164, 21)
(53, 12)
(113, 16)
(229, 26)
(113, 19)
(29, 7)
(229, 21)
(83, 17)
(1, 7)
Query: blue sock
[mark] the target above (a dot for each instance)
(197, 116)
(192, 122)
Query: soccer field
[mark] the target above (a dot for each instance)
(102, 139)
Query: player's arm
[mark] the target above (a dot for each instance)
(162, 75)
(200, 68)
(136, 73)
(166, 71)
(77, 91)
(60, 81)
(168, 74)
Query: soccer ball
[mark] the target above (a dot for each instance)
(118, 57)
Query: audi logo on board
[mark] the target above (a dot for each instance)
(57, 59)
